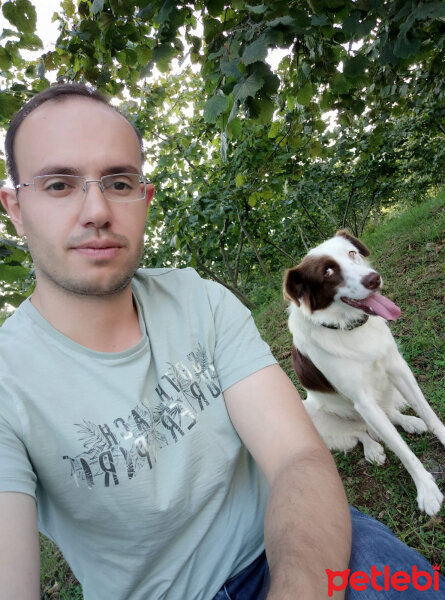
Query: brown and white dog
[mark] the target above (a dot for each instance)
(345, 356)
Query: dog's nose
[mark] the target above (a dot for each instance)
(371, 281)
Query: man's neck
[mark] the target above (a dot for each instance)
(101, 323)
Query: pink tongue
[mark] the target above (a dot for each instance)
(382, 306)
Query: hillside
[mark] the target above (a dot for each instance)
(408, 250)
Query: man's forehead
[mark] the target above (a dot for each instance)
(76, 106)
(69, 129)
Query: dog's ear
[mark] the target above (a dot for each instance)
(293, 285)
(357, 243)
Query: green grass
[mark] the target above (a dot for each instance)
(408, 250)
(57, 581)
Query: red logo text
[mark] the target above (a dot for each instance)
(383, 580)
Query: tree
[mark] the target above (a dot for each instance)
(247, 170)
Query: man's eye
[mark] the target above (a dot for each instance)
(57, 186)
(120, 185)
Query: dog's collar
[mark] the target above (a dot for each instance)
(351, 325)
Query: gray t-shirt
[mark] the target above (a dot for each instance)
(138, 473)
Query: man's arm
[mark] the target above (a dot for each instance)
(19, 547)
(307, 525)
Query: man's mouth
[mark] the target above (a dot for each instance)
(375, 304)
(99, 249)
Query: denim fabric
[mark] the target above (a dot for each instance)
(372, 544)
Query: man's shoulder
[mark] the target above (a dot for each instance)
(13, 321)
(167, 278)
(166, 272)
(185, 283)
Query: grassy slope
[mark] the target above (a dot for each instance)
(408, 250)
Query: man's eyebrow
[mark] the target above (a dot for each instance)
(64, 170)
(58, 170)
(121, 169)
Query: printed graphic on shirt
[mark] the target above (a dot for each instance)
(121, 448)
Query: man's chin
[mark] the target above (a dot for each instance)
(97, 287)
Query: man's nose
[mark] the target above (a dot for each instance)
(96, 210)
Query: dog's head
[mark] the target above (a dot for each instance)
(336, 276)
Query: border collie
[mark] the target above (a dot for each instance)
(346, 358)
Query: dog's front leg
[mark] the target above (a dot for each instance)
(404, 380)
(429, 497)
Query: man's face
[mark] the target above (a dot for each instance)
(83, 245)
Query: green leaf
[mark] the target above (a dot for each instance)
(274, 130)
(97, 6)
(68, 8)
(239, 180)
(41, 69)
(215, 7)
(234, 128)
(254, 198)
(315, 149)
(212, 28)
(262, 109)
(281, 21)
(431, 10)
(249, 87)
(22, 14)
(256, 51)
(304, 95)
(9, 274)
(339, 84)
(214, 107)
(406, 47)
(162, 56)
(144, 54)
(5, 60)
(9, 104)
(14, 299)
(231, 68)
(355, 66)
(291, 101)
(105, 22)
(30, 41)
(163, 15)
(319, 20)
(257, 10)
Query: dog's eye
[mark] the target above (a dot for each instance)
(353, 254)
(329, 272)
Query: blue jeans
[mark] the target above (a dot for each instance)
(373, 544)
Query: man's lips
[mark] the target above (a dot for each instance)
(99, 249)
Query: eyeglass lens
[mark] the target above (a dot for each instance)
(122, 187)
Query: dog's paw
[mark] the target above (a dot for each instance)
(374, 452)
(429, 497)
(413, 424)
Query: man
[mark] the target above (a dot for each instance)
(144, 425)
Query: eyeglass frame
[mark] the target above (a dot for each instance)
(84, 188)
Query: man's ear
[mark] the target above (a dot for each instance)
(11, 204)
(150, 192)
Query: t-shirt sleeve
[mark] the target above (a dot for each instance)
(16, 472)
(239, 348)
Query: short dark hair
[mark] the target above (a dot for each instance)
(56, 92)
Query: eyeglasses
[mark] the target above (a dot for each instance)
(119, 187)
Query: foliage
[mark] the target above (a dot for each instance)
(247, 166)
